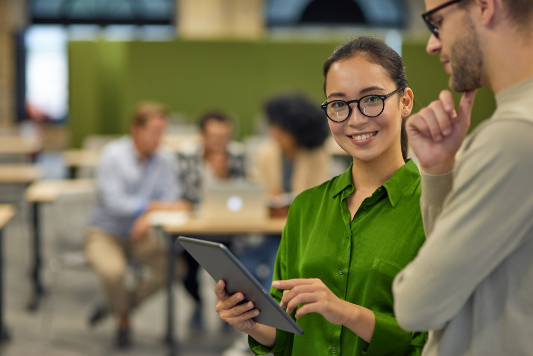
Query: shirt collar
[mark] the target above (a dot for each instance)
(515, 92)
(396, 186)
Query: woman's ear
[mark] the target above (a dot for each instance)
(407, 102)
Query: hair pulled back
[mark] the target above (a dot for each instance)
(377, 52)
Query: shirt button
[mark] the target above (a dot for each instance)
(365, 208)
(341, 272)
(334, 350)
(380, 189)
(348, 236)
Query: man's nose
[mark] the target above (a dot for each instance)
(433, 45)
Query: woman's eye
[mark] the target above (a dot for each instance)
(338, 104)
(372, 100)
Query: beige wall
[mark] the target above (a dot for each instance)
(220, 18)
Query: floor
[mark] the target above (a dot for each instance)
(59, 327)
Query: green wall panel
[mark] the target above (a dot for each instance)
(107, 79)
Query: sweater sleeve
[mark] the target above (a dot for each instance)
(435, 188)
(486, 217)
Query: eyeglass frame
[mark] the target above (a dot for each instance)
(426, 16)
(325, 104)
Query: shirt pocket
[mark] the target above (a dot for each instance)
(378, 290)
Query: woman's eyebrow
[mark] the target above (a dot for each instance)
(372, 88)
(342, 95)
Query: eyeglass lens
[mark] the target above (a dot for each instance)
(339, 110)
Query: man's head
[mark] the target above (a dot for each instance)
(148, 124)
(464, 31)
(216, 130)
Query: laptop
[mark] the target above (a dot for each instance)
(234, 200)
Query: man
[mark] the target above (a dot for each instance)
(472, 282)
(133, 179)
(216, 157)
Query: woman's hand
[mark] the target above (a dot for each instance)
(316, 297)
(237, 315)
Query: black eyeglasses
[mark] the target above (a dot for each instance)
(427, 16)
(369, 105)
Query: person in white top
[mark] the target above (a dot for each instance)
(471, 284)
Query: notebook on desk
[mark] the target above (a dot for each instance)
(234, 200)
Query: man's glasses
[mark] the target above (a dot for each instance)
(369, 105)
(427, 16)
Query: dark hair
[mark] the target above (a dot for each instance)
(377, 52)
(298, 115)
(216, 115)
(145, 110)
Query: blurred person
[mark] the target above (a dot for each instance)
(133, 179)
(472, 282)
(293, 160)
(346, 239)
(215, 158)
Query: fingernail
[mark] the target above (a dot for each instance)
(438, 137)
(239, 296)
(250, 304)
(449, 107)
(275, 284)
(446, 131)
(281, 304)
(256, 312)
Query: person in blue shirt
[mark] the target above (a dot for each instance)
(134, 178)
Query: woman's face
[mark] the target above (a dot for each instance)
(365, 138)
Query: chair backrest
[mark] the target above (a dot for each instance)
(96, 142)
(70, 219)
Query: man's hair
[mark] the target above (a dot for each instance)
(145, 110)
(216, 115)
(518, 11)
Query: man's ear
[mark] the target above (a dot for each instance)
(486, 10)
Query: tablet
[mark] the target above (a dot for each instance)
(220, 263)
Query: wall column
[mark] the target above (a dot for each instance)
(12, 18)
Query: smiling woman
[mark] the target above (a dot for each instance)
(346, 239)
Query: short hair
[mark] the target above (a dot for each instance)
(379, 53)
(298, 115)
(145, 110)
(217, 115)
(518, 11)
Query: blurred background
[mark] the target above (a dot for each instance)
(71, 73)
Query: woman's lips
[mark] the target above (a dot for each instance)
(363, 139)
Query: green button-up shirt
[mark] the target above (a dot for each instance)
(356, 258)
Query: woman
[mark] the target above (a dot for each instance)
(346, 239)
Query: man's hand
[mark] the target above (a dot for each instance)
(140, 228)
(436, 132)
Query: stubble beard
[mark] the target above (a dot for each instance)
(466, 60)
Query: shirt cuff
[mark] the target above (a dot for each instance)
(260, 349)
(388, 338)
(435, 187)
(140, 210)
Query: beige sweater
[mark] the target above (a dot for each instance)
(311, 168)
(472, 282)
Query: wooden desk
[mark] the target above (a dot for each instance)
(47, 191)
(19, 173)
(205, 227)
(19, 145)
(81, 158)
(6, 213)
